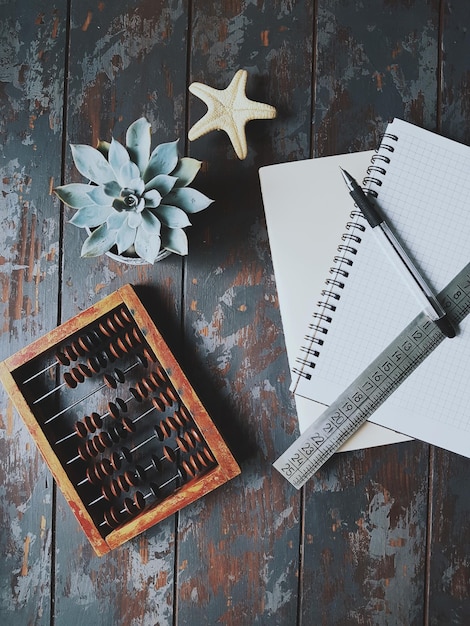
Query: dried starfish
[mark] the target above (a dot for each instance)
(229, 110)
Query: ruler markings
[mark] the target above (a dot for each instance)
(371, 388)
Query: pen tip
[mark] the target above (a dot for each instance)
(446, 327)
(347, 177)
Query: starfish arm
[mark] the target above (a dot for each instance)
(237, 136)
(229, 110)
(205, 125)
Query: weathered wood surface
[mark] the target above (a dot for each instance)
(381, 536)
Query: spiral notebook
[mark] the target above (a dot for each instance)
(306, 210)
(421, 182)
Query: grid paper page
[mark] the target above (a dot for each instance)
(425, 195)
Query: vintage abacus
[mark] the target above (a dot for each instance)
(124, 434)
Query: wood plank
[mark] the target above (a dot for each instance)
(449, 544)
(366, 511)
(127, 59)
(32, 52)
(238, 549)
(375, 61)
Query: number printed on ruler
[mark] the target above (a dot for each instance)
(380, 379)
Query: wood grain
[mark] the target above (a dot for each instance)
(32, 53)
(380, 536)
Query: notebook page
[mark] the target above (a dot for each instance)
(426, 197)
(306, 211)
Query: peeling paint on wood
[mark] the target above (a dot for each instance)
(379, 536)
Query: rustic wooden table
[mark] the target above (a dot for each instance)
(380, 536)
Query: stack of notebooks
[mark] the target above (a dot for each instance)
(339, 293)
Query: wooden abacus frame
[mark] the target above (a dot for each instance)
(222, 467)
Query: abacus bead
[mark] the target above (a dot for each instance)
(159, 432)
(122, 482)
(62, 359)
(169, 453)
(188, 468)
(116, 515)
(166, 398)
(92, 475)
(142, 389)
(70, 380)
(128, 425)
(148, 384)
(104, 468)
(109, 518)
(125, 314)
(112, 490)
(85, 426)
(94, 420)
(81, 429)
(194, 436)
(139, 500)
(194, 461)
(172, 394)
(129, 505)
(113, 410)
(94, 363)
(85, 342)
(115, 350)
(105, 439)
(165, 429)
(122, 345)
(142, 359)
(183, 444)
(172, 423)
(114, 460)
(96, 446)
(178, 418)
(70, 353)
(158, 404)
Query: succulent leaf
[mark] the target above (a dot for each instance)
(188, 199)
(74, 195)
(92, 164)
(175, 240)
(116, 220)
(151, 223)
(186, 171)
(138, 140)
(163, 183)
(100, 241)
(118, 158)
(163, 160)
(134, 220)
(103, 193)
(147, 245)
(91, 216)
(152, 198)
(125, 238)
(172, 216)
(128, 172)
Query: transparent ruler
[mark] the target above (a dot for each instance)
(371, 388)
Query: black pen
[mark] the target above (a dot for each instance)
(399, 257)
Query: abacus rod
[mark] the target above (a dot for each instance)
(152, 492)
(75, 434)
(48, 367)
(88, 395)
(81, 399)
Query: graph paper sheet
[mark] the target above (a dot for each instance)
(424, 191)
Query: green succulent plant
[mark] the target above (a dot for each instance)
(137, 201)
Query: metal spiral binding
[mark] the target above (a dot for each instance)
(343, 261)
